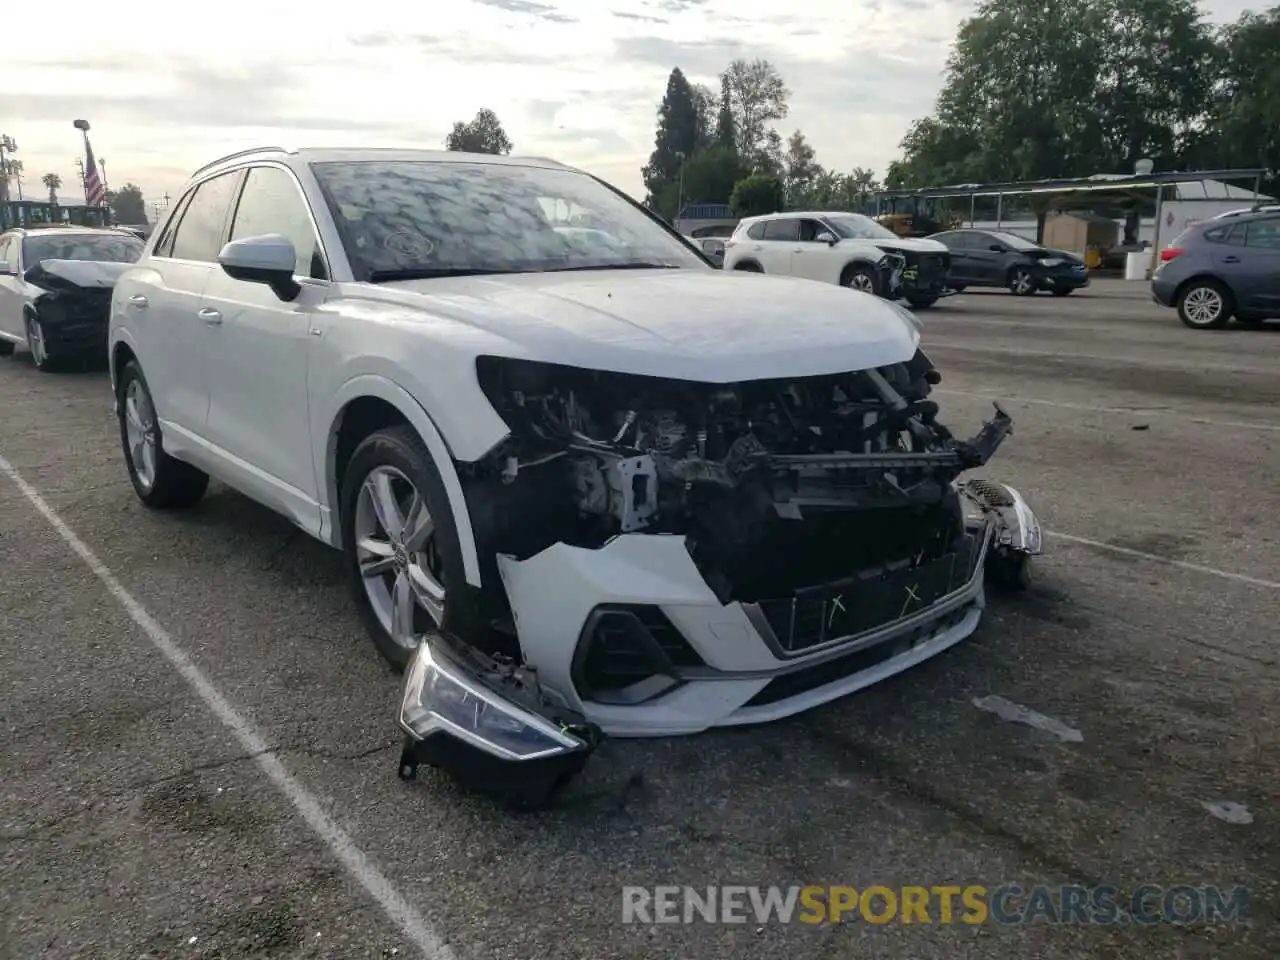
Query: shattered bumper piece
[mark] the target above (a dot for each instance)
(1018, 536)
(488, 725)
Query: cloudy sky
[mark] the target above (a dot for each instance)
(577, 80)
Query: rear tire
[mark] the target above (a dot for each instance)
(160, 481)
(1022, 282)
(1205, 305)
(862, 279)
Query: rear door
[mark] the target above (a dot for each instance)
(781, 238)
(162, 302)
(985, 257)
(1259, 287)
(954, 242)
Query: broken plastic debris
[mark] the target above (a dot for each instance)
(192, 940)
(1228, 810)
(1016, 713)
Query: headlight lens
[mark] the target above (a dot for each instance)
(440, 699)
(1052, 262)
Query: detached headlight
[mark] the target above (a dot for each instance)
(440, 699)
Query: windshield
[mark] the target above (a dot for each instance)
(1015, 242)
(428, 218)
(854, 226)
(114, 248)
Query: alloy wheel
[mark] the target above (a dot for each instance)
(1022, 281)
(1203, 306)
(862, 282)
(140, 430)
(400, 565)
(35, 342)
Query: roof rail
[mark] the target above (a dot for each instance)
(238, 153)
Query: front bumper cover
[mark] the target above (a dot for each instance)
(523, 732)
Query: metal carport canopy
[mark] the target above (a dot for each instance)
(1098, 182)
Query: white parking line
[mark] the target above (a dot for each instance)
(1135, 411)
(361, 868)
(1156, 558)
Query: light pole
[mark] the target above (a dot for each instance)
(680, 193)
(7, 145)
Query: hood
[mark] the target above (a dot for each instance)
(68, 275)
(701, 325)
(915, 244)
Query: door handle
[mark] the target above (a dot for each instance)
(1231, 259)
(212, 317)
(138, 300)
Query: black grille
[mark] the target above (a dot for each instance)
(624, 649)
(812, 616)
(810, 678)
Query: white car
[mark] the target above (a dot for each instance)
(577, 492)
(842, 248)
(55, 290)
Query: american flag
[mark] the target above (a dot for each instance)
(95, 194)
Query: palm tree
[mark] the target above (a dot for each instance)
(11, 170)
(54, 183)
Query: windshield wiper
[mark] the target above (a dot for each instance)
(430, 273)
(625, 265)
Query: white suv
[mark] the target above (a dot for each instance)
(845, 248)
(578, 486)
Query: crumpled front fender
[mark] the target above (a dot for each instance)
(1017, 526)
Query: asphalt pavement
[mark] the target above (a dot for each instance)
(198, 749)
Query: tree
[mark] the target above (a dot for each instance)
(800, 169)
(757, 97)
(707, 105)
(756, 195)
(1246, 116)
(54, 183)
(482, 134)
(128, 204)
(726, 134)
(677, 137)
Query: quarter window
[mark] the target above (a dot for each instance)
(272, 203)
(199, 235)
(756, 231)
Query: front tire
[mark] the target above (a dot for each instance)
(401, 546)
(862, 279)
(1061, 291)
(922, 303)
(38, 346)
(160, 481)
(1205, 305)
(1022, 282)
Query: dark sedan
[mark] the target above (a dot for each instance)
(983, 258)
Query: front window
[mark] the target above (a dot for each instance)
(57, 245)
(854, 226)
(427, 218)
(1014, 242)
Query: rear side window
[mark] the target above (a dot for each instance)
(164, 242)
(199, 235)
(1263, 233)
(782, 230)
(756, 230)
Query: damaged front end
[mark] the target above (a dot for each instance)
(73, 303)
(819, 523)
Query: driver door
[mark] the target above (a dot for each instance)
(985, 264)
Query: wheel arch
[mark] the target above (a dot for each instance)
(367, 403)
(120, 352)
(748, 265)
(858, 260)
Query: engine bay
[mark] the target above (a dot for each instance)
(776, 484)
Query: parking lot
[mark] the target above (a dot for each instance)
(199, 747)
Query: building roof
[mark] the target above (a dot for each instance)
(1099, 181)
(705, 211)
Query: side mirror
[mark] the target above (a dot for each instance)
(828, 238)
(996, 248)
(267, 259)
